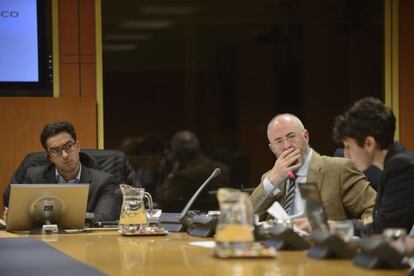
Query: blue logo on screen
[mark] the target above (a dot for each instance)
(12, 14)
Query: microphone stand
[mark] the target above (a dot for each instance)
(175, 222)
(184, 212)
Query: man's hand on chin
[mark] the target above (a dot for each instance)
(287, 161)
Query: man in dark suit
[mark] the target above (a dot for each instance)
(190, 170)
(62, 148)
(367, 131)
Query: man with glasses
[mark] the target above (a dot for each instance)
(344, 191)
(62, 148)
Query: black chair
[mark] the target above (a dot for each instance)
(111, 161)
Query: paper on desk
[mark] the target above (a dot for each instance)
(277, 211)
(206, 244)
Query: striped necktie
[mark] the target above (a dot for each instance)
(290, 194)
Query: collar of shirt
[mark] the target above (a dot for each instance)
(302, 173)
(61, 180)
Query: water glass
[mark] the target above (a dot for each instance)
(395, 236)
(344, 229)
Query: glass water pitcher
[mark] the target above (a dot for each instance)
(235, 226)
(133, 215)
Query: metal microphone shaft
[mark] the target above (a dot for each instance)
(215, 173)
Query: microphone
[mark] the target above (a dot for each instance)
(176, 222)
(216, 172)
(291, 177)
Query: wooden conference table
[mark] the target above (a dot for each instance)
(113, 254)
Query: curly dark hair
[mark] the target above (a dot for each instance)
(53, 129)
(367, 117)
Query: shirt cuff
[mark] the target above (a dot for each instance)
(269, 188)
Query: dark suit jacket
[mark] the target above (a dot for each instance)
(101, 198)
(181, 185)
(394, 207)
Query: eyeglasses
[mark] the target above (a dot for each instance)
(291, 137)
(68, 148)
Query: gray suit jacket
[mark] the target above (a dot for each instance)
(344, 191)
(102, 200)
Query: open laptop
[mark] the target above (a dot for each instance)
(31, 205)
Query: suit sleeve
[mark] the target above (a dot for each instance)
(258, 195)
(107, 205)
(357, 195)
(397, 202)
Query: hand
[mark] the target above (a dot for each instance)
(5, 214)
(286, 162)
(302, 224)
(367, 220)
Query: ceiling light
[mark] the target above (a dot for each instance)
(146, 24)
(168, 10)
(119, 47)
(129, 37)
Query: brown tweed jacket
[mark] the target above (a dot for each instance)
(344, 190)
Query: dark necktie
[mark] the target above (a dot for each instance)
(290, 195)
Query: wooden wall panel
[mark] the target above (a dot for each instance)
(69, 48)
(69, 80)
(77, 48)
(22, 120)
(88, 76)
(406, 71)
(68, 27)
(87, 47)
(87, 23)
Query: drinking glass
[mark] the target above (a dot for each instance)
(344, 229)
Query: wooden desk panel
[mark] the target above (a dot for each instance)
(172, 255)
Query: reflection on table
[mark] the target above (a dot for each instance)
(173, 255)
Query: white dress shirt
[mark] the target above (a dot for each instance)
(61, 180)
(298, 208)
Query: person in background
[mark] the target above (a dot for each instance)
(190, 170)
(62, 149)
(344, 191)
(367, 132)
(148, 157)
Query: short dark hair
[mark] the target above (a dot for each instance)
(53, 129)
(185, 144)
(146, 145)
(367, 117)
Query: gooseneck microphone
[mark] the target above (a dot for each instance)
(216, 172)
(259, 205)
